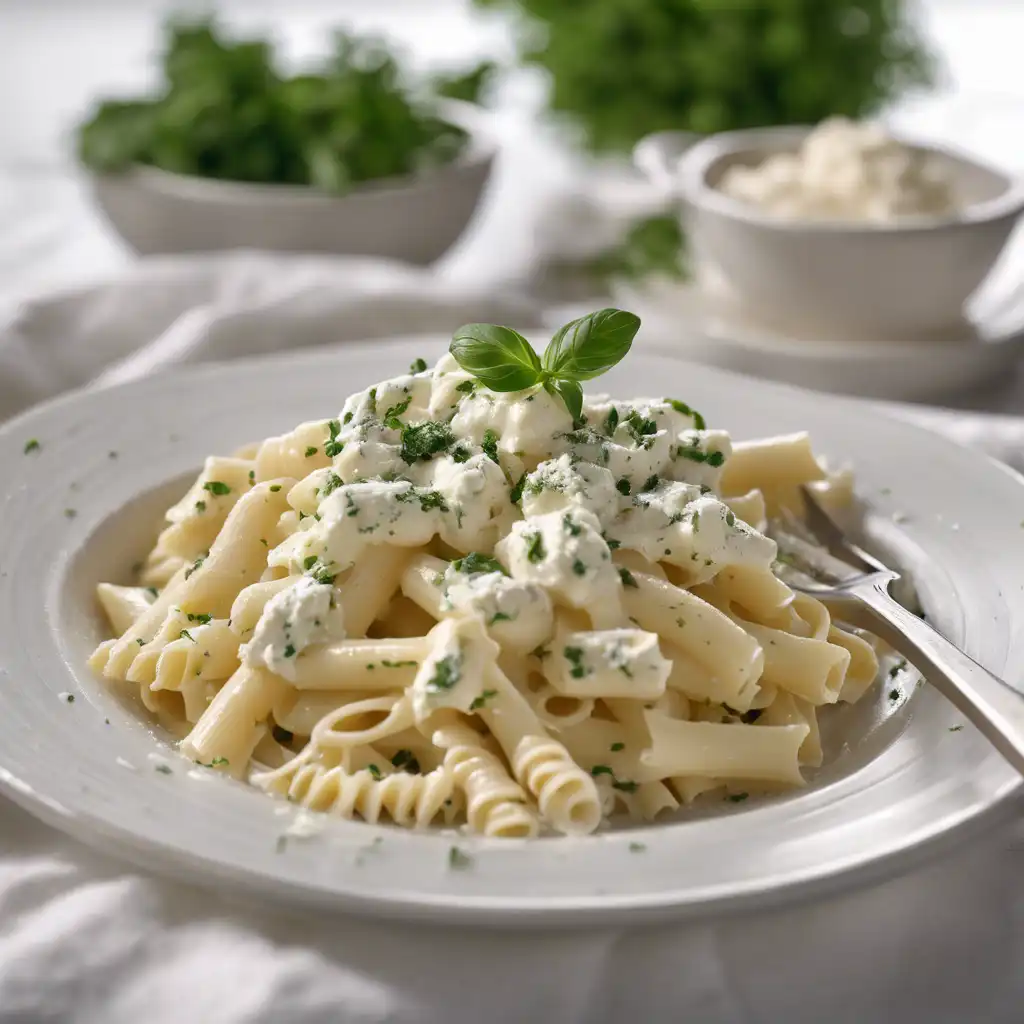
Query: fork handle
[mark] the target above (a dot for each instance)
(992, 705)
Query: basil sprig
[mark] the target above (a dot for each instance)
(503, 360)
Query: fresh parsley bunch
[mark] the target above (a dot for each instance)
(622, 68)
(225, 112)
(503, 360)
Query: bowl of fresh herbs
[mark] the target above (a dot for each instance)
(232, 153)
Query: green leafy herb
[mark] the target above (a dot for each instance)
(503, 360)
(333, 446)
(186, 635)
(628, 579)
(418, 366)
(225, 110)
(570, 525)
(201, 506)
(411, 663)
(574, 655)
(625, 785)
(406, 760)
(422, 441)
(516, 494)
(374, 771)
(274, 488)
(252, 477)
(730, 519)
(650, 483)
(623, 486)
(32, 445)
(311, 451)
(216, 487)
(331, 484)
(615, 747)
(466, 387)
(201, 619)
(289, 651)
(391, 419)
(694, 454)
(955, 728)
(70, 513)
(737, 798)
(585, 348)
(479, 702)
(535, 548)
(685, 410)
(897, 668)
(637, 847)
(601, 769)
(579, 567)
(490, 444)
(457, 860)
(447, 672)
(474, 562)
(894, 695)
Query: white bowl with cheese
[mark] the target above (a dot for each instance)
(839, 227)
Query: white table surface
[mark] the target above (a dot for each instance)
(84, 939)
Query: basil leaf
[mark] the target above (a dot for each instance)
(500, 358)
(570, 392)
(587, 347)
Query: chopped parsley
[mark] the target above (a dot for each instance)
(479, 702)
(628, 579)
(289, 651)
(695, 520)
(333, 446)
(625, 785)
(685, 410)
(399, 664)
(70, 513)
(535, 548)
(201, 619)
(32, 445)
(737, 798)
(428, 499)
(274, 488)
(461, 454)
(347, 418)
(897, 668)
(574, 655)
(516, 493)
(650, 483)
(311, 451)
(418, 366)
(309, 562)
(490, 444)
(218, 762)
(374, 771)
(637, 847)
(324, 575)
(457, 860)
(332, 483)
(955, 728)
(615, 747)
(282, 735)
(601, 769)
(186, 635)
(406, 760)
(611, 421)
(474, 563)
(694, 454)
(640, 428)
(422, 441)
(579, 567)
(216, 487)
(570, 526)
(391, 419)
(447, 672)
(201, 506)
(894, 695)
(163, 769)
(140, 641)
(623, 486)
(467, 387)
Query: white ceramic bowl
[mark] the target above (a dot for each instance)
(415, 219)
(905, 279)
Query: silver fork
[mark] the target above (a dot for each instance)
(857, 585)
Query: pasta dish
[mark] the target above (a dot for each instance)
(471, 602)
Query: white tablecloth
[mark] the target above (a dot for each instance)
(83, 939)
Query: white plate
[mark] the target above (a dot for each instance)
(690, 323)
(89, 767)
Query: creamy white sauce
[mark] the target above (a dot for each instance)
(611, 663)
(298, 617)
(845, 171)
(452, 674)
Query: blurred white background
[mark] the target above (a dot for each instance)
(58, 56)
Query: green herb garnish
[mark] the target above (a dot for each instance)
(447, 672)
(374, 771)
(479, 702)
(535, 548)
(422, 441)
(685, 410)
(615, 747)
(418, 366)
(311, 451)
(32, 445)
(457, 860)
(490, 445)
(574, 655)
(474, 562)
(216, 487)
(333, 446)
(628, 579)
(503, 360)
(623, 486)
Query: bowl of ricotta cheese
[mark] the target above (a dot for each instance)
(842, 226)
